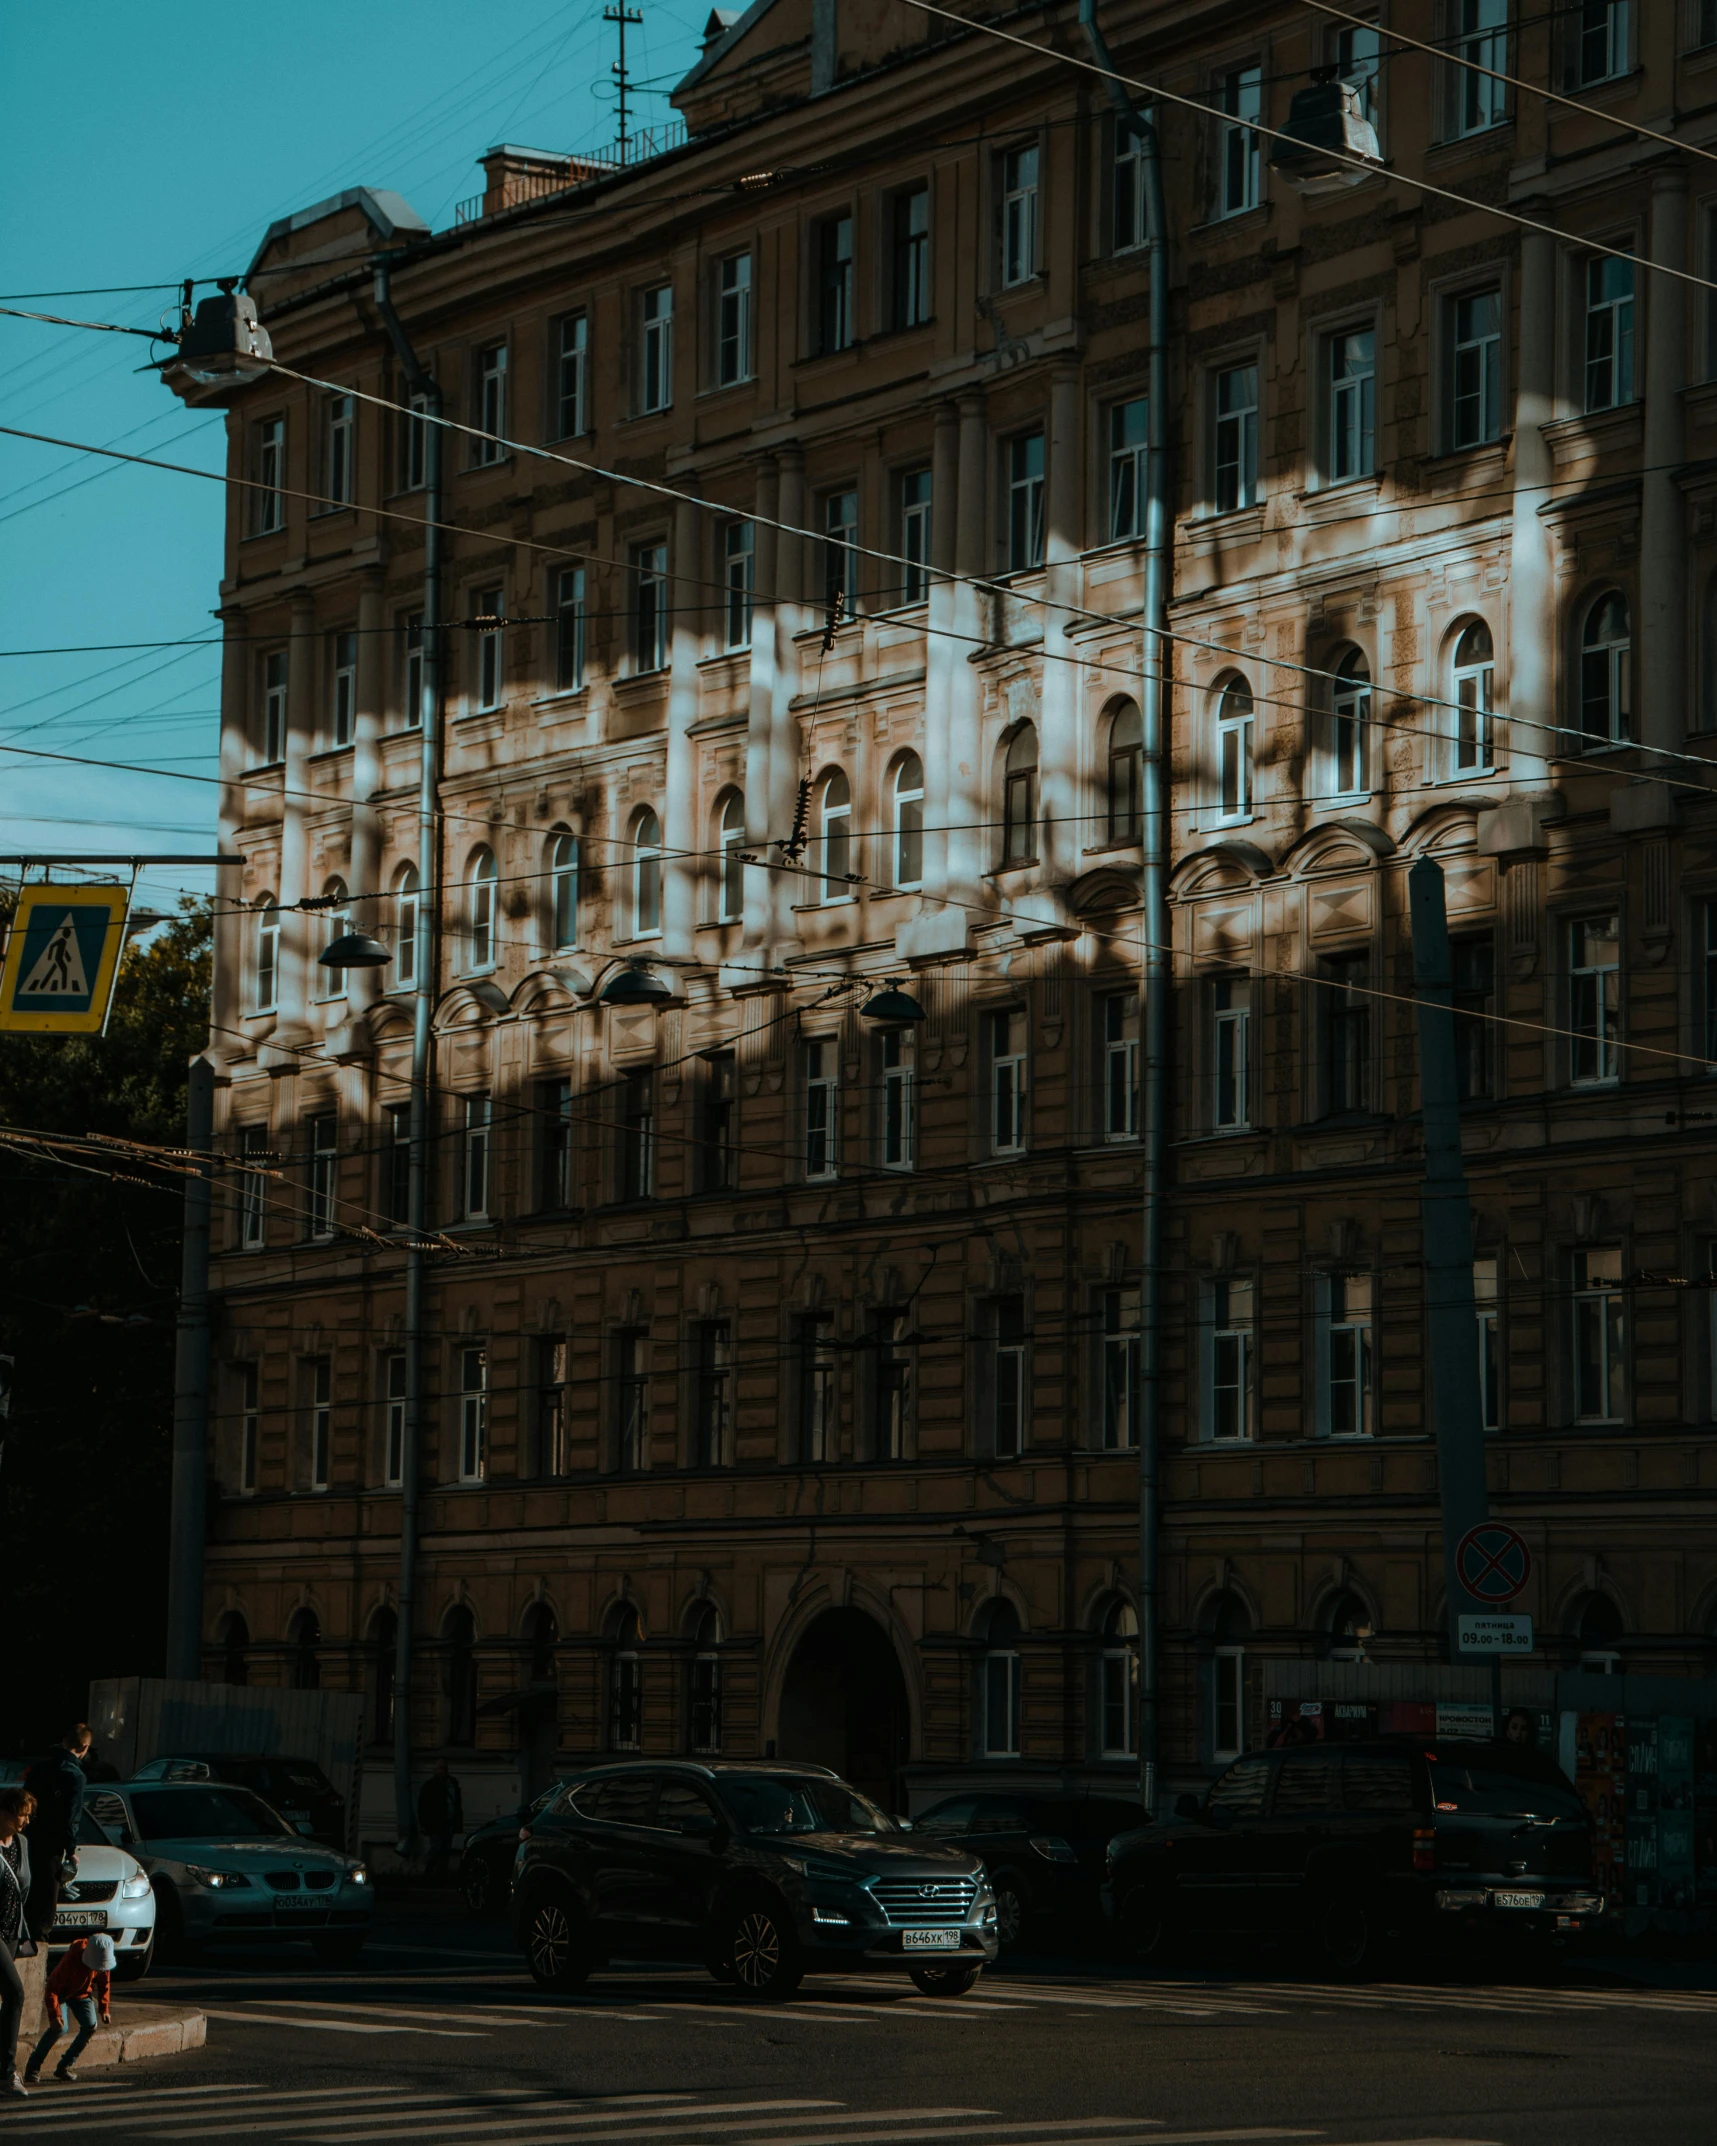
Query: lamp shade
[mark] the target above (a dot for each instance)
(893, 1004)
(225, 340)
(634, 986)
(354, 950)
(1328, 131)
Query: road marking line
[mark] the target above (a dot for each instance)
(679, 2120)
(505, 2104)
(262, 2104)
(341, 2026)
(471, 2013)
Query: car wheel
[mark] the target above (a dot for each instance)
(945, 1981)
(556, 1950)
(1347, 1934)
(1144, 1928)
(1010, 1908)
(133, 1966)
(764, 1953)
(339, 1949)
(477, 1883)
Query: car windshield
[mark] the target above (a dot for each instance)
(205, 1814)
(1475, 1785)
(91, 1833)
(776, 1803)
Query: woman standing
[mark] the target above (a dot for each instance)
(16, 1804)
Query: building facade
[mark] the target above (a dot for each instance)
(786, 1367)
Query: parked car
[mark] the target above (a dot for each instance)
(1344, 1844)
(111, 1892)
(486, 1865)
(762, 1872)
(224, 1865)
(297, 1788)
(1044, 1854)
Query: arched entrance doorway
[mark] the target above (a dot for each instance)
(844, 1704)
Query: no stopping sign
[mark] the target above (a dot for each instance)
(1493, 1562)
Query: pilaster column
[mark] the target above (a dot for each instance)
(231, 924)
(942, 655)
(790, 575)
(1660, 628)
(680, 820)
(291, 1025)
(760, 719)
(363, 986)
(1063, 833)
(971, 843)
(1532, 625)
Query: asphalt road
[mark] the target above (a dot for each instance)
(440, 2036)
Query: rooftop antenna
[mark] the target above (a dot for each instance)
(621, 15)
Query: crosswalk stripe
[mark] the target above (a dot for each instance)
(485, 2114)
(702, 2122)
(492, 2018)
(143, 2097)
(343, 2026)
(1130, 2138)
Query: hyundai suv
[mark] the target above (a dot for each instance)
(1344, 1844)
(762, 1872)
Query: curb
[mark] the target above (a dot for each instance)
(142, 2030)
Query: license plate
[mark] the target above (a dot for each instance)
(1517, 1900)
(81, 1919)
(301, 1904)
(930, 1941)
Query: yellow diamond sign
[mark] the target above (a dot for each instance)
(62, 955)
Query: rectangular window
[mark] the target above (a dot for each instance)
(1473, 324)
(268, 500)
(324, 1160)
(899, 1099)
(822, 1108)
(553, 1455)
(412, 670)
(321, 1381)
(1240, 99)
(1128, 432)
(649, 607)
(1473, 973)
(1352, 419)
(1128, 227)
(1473, 677)
(1609, 333)
(1476, 100)
(1486, 1310)
(1598, 39)
(554, 1105)
(396, 1164)
(1594, 999)
(413, 437)
(1019, 215)
(840, 555)
(393, 1420)
(1007, 1040)
(343, 694)
(631, 1400)
(1228, 1394)
(718, 1111)
(1001, 1703)
(1231, 1053)
(1346, 1355)
(733, 320)
(1121, 1065)
(814, 1348)
(274, 673)
(571, 376)
(1228, 1707)
(1025, 502)
(915, 535)
(249, 1424)
(834, 284)
(1120, 1313)
(1236, 443)
(1357, 53)
(1600, 1332)
(253, 1190)
(638, 1136)
(1008, 1377)
(487, 614)
(474, 1159)
(713, 1413)
(656, 376)
(473, 1414)
(1345, 1005)
(339, 425)
(569, 627)
(892, 1396)
(911, 265)
(491, 405)
(738, 575)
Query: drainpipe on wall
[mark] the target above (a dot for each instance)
(1153, 1018)
(425, 960)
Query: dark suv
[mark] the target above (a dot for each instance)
(761, 1872)
(1044, 1854)
(1343, 1844)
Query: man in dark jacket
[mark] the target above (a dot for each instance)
(440, 1814)
(57, 1782)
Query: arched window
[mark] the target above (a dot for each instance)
(1606, 673)
(1348, 1627)
(646, 876)
(480, 940)
(405, 925)
(1234, 751)
(1125, 784)
(834, 834)
(1600, 1636)
(459, 1674)
(233, 1639)
(1000, 1688)
(303, 1637)
(625, 1680)
(563, 892)
(1119, 1671)
(706, 1682)
(906, 820)
(1472, 682)
(1229, 1626)
(336, 922)
(266, 980)
(1019, 797)
(730, 859)
(384, 1638)
(1350, 725)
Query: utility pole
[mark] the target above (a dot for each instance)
(620, 15)
(189, 1495)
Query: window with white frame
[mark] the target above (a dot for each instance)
(1235, 457)
(1240, 100)
(1344, 1355)
(835, 837)
(1350, 726)
(1228, 1690)
(254, 1158)
(552, 1456)
(1227, 1353)
(480, 910)
(474, 1137)
(1597, 41)
(631, 1400)
(320, 1380)
(718, 1123)
(626, 1690)
(649, 607)
(249, 1424)
(405, 913)
(712, 1397)
(834, 284)
(1477, 101)
(1594, 1000)
(891, 1384)
(1344, 1011)
(473, 1414)
(1025, 502)
(1119, 1312)
(814, 1349)
(396, 1164)
(730, 868)
(1472, 329)
(1128, 226)
(265, 973)
(738, 578)
(1609, 332)
(488, 607)
(1599, 1309)
(646, 876)
(1234, 718)
(840, 556)
(637, 1136)
(569, 630)
(1007, 1041)
(915, 535)
(268, 498)
(343, 688)
(563, 892)
(411, 670)
(323, 1139)
(1124, 789)
(1350, 365)
(822, 1109)
(906, 821)
(554, 1145)
(1606, 673)
(1230, 1053)
(1008, 1376)
(571, 375)
(1120, 1080)
(1486, 1311)
(393, 1419)
(1019, 797)
(1472, 688)
(911, 265)
(898, 1113)
(274, 676)
(704, 1708)
(1019, 215)
(656, 371)
(1129, 429)
(1118, 1677)
(733, 320)
(490, 446)
(339, 426)
(1356, 51)
(1000, 1688)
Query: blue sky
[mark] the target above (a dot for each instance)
(155, 146)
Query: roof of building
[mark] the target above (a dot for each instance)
(391, 215)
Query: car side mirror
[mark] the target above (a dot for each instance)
(1186, 1806)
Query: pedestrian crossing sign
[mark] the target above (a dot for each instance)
(62, 954)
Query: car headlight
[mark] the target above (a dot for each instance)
(357, 1875)
(134, 1888)
(217, 1881)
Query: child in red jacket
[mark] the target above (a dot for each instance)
(82, 1982)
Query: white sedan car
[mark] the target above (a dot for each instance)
(111, 1892)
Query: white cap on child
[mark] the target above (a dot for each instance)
(98, 1953)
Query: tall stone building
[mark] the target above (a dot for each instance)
(785, 1360)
